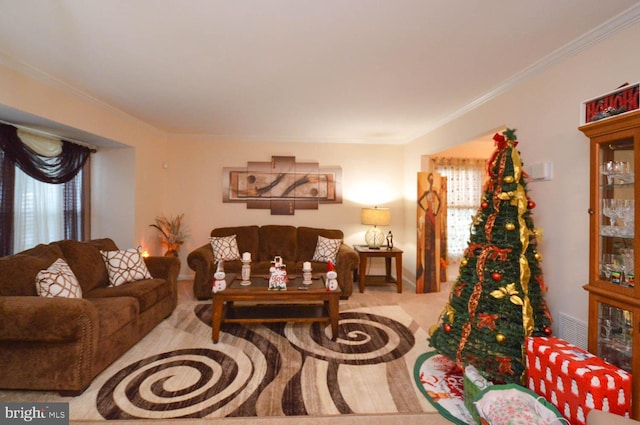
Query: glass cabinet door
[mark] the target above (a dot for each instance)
(617, 213)
(615, 336)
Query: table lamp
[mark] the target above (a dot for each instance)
(375, 217)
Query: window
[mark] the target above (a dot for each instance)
(42, 197)
(465, 178)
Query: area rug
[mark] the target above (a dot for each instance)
(262, 370)
(441, 382)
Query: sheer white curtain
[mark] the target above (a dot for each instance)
(465, 178)
(38, 212)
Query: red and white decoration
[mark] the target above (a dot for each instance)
(574, 380)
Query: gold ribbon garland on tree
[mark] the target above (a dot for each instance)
(519, 199)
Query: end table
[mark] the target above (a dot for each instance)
(387, 253)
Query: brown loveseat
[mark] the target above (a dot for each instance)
(62, 343)
(294, 244)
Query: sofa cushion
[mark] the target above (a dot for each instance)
(86, 262)
(125, 266)
(146, 292)
(278, 240)
(18, 272)
(246, 238)
(326, 249)
(114, 314)
(225, 248)
(308, 239)
(58, 280)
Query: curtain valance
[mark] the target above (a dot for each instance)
(57, 169)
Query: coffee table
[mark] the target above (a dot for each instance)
(298, 303)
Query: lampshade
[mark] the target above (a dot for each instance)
(375, 217)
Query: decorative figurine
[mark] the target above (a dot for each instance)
(306, 273)
(332, 277)
(219, 284)
(389, 240)
(246, 269)
(278, 278)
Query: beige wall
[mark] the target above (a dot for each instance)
(131, 186)
(124, 181)
(545, 111)
(371, 175)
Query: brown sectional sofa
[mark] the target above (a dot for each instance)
(61, 343)
(294, 244)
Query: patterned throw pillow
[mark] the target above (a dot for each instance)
(225, 248)
(326, 249)
(125, 266)
(58, 281)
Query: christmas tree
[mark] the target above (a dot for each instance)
(497, 300)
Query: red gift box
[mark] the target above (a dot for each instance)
(574, 380)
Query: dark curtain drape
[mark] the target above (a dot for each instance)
(55, 170)
(61, 169)
(7, 184)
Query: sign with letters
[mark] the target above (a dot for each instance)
(625, 98)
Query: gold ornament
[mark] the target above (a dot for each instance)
(450, 312)
(464, 261)
(537, 256)
(509, 290)
(510, 226)
(501, 338)
(508, 179)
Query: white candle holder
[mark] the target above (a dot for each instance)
(306, 273)
(246, 273)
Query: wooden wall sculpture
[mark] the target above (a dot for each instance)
(431, 228)
(282, 185)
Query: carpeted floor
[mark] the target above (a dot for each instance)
(259, 372)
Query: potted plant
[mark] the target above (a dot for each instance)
(172, 232)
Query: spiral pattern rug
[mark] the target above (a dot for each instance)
(263, 370)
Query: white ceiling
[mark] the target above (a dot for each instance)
(370, 71)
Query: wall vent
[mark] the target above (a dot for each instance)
(573, 330)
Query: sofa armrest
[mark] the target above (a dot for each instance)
(41, 319)
(202, 262)
(163, 267)
(167, 268)
(347, 261)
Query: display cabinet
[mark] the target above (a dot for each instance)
(614, 296)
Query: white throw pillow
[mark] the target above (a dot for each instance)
(125, 266)
(225, 248)
(326, 249)
(58, 281)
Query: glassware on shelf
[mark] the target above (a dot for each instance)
(606, 265)
(620, 213)
(606, 168)
(617, 172)
(627, 264)
(608, 210)
(622, 172)
(615, 336)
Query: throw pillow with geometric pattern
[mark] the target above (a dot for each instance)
(58, 281)
(125, 266)
(225, 248)
(326, 249)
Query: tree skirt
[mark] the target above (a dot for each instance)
(441, 381)
(262, 370)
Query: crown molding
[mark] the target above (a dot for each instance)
(629, 17)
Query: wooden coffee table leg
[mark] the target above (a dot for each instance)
(216, 317)
(333, 316)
